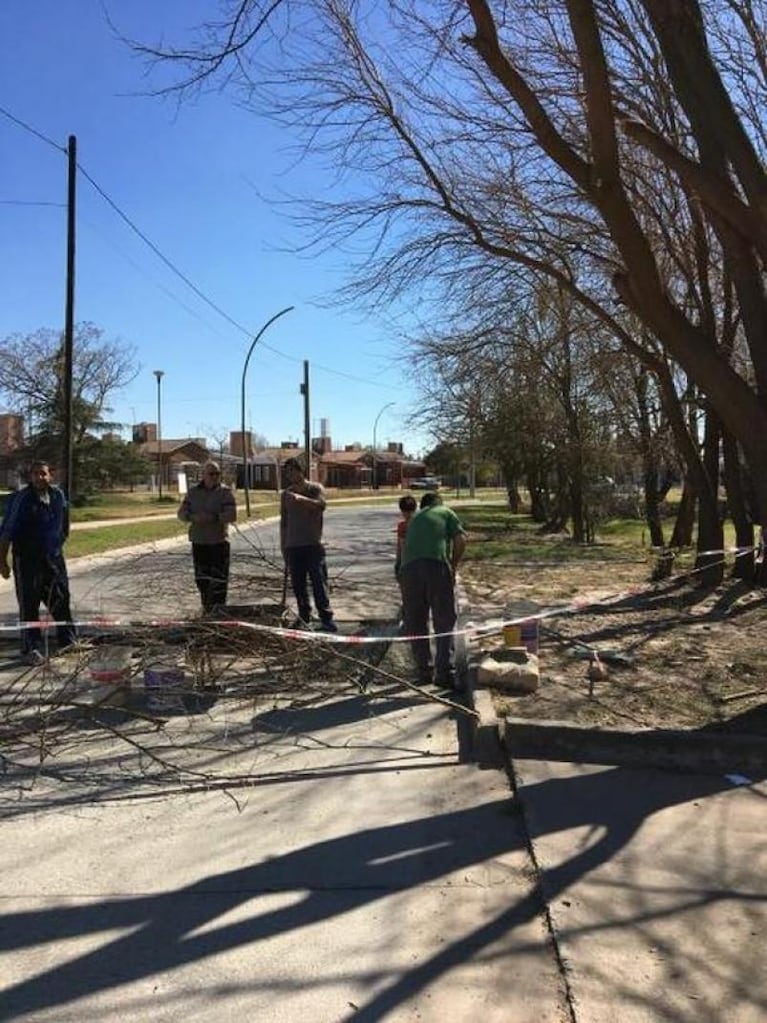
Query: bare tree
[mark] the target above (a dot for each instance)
(530, 133)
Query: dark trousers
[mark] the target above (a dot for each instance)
(43, 581)
(308, 564)
(427, 588)
(211, 572)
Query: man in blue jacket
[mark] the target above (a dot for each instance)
(34, 528)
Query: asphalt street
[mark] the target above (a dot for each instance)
(334, 860)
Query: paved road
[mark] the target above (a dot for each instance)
(155, 580)
(338, 860)
(324, 860)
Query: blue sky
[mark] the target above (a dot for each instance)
(190, 177)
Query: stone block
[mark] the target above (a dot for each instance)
(511, 669)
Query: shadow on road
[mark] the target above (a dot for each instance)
(336, 877)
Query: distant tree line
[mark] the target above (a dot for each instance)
(32, 385)
(573, 195)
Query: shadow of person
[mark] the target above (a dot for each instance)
(175, 928)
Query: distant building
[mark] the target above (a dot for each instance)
(172, 455)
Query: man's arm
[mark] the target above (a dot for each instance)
(5, 569)
(283, 521)
(457, 550)
(7, 530)
(64, 518)
(184, 512)
(228, 507)
(315, 497)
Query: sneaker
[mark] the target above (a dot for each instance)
(329, 626)
(299, 623)
(34, 657)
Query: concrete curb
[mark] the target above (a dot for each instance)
(486, 745)
(709, 750)
(705, 750)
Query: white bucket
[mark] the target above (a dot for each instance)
(111, 664)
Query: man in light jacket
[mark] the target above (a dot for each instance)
(209, 508)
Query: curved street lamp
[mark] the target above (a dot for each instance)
(375, 424)
(253, 344)
(159, 374)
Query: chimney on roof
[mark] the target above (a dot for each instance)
(236, 445)
(143, 433)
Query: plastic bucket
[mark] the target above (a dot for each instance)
(163, 684)
(522, 634)
(111, 664)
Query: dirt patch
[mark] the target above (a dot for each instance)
(677, 655)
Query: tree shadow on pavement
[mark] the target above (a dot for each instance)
(172, 929)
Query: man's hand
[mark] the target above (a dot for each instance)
(5, 570)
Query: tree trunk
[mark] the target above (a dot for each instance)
(650, 466)
(514, 498)
(681, 535)
(745, 567)
(539, 494)
(709, 562)
(578, 510)
(599, 179)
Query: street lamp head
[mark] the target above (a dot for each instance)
(159, 373)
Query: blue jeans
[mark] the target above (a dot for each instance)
(308, 565)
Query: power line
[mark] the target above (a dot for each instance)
(146, 273)
(200, 294)
(31, 202)
(160, 255)
(165, 259)
(31, 130)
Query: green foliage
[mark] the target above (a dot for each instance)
(32, 368)
(496, 534)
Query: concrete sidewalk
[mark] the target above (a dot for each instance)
(656, 884)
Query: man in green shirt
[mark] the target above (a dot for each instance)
(434, 545)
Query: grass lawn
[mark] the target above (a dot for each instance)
(495, 533)
(109, 538)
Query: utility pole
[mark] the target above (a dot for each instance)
(69, 318)
(159, 374)
(307, 423)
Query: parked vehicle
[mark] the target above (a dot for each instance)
(426, 483)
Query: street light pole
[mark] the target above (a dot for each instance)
(253, 344)
(159, 374)
(375, 424)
